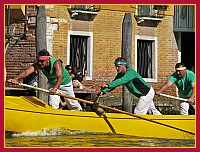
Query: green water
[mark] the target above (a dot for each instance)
(81, 139)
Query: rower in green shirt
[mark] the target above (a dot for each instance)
(59, 80)
(185, 82)
(135, 84)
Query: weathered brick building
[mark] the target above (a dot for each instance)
(98, 29)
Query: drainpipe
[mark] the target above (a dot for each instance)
(8, 22)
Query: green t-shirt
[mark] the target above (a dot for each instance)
(132, 80)
(184, 84)
(52, 78)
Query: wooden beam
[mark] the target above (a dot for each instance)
(127, 54)
(41, 44)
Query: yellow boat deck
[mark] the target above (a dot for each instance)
(23, 114)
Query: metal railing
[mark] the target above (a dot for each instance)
(92, 8)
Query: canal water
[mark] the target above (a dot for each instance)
(88, 140)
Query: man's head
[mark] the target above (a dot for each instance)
(120, 64)
(43, 57)
(180, 69)
(68, 68)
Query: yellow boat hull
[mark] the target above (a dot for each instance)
(31, 114)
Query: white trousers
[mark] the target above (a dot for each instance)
(184, 107)
(145, 103)
(54, 100)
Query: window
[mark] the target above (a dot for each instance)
(150, 11)
(83, 12)
(93, 8)
(146, 11)
(80, 50)
(146, 57)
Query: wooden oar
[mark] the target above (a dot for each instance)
(177, 98)
(107, 107)
(173, 97)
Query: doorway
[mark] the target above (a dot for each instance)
(188, 49)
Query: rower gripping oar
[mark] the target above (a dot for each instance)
(177, 98)
(107, 107)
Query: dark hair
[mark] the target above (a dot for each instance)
(120, 59)
(180, 64)
(68, 67)
(43, 52)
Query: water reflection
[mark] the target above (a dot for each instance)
(84, 139)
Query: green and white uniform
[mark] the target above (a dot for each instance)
(132, 80)
(65, 88)
(51, 76)
(137, 86)
(184, 85)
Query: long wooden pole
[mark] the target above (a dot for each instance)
(106, 107)
(177, 98)
(173, 97)
(41, 43)
(127, 54)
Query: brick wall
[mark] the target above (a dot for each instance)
(107, 28)
(167, 53)
(23, 53)
(60, 36)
